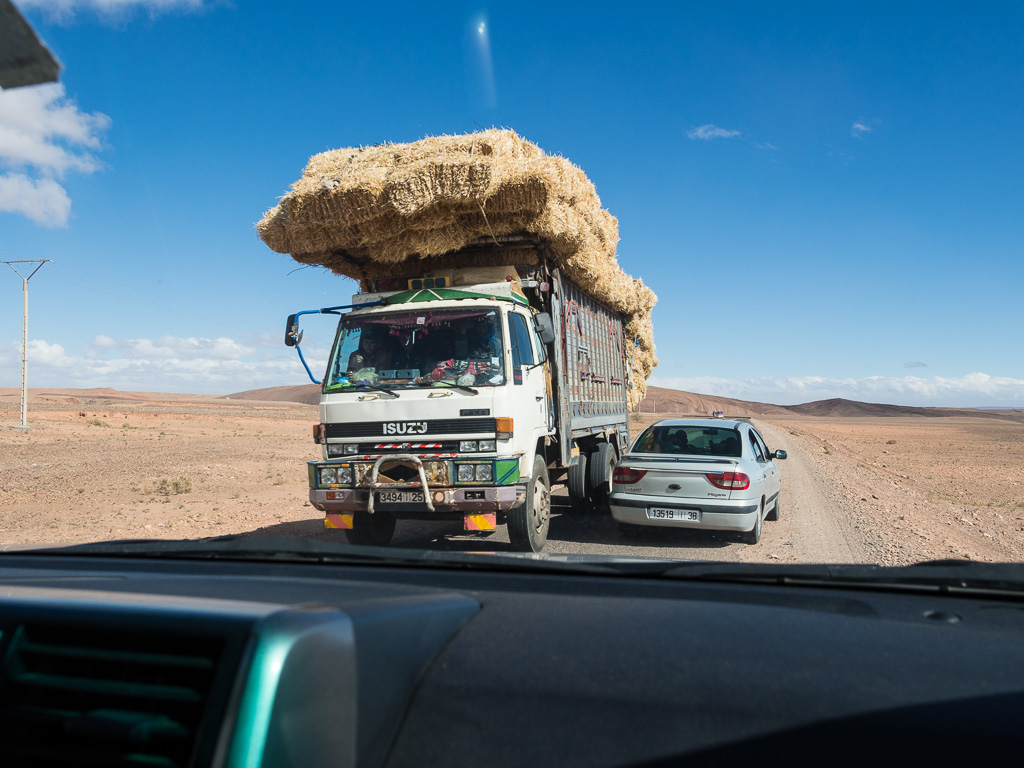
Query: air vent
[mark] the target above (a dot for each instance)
(74, 697)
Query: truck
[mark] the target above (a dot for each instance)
(465, 393)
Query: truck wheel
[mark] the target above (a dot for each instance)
(576, 482)
(602, 462)
(373, 530)
(528, 523)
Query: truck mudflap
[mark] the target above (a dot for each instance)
(480, 522)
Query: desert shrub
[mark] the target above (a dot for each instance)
(97, 423)
(173, 486)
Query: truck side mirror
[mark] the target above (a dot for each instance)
(292, 334)
(545, 328)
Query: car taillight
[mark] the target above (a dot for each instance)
(733, 481)
(627, 476)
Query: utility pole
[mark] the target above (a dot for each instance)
(24, 331)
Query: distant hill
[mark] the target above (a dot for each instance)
(298, 393)
(673, 402)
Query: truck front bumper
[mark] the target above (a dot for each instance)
(449, 503)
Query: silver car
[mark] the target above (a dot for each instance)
(698, 473)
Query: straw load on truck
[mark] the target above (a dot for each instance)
(396, 209)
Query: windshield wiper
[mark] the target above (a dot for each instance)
(941, 576)
(240, 548)
(459, 387)
(391, 393)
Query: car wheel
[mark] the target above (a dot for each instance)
(754, 536)
(374, 530)
(576, 483)
(528, 523)
(602, 464)
(774, 514)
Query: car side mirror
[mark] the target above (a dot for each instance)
(292, 334)
(545, 328)
(779, 455)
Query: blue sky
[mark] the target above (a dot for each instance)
(829, 202)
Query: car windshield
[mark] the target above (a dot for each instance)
(700, 281)
(418, 349)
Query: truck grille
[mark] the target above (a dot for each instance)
(411, 430)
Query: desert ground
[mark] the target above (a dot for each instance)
(893, 489)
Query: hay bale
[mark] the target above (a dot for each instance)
(373, 211)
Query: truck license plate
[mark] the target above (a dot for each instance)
(400, 497)
(682, 515)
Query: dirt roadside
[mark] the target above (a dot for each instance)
(898, 491)
(101, 466)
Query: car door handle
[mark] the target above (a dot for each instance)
(538, 398)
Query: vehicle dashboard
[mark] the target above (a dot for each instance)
(114, 661)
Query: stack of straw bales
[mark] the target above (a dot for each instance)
(403, 208)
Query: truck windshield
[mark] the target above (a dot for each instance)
(418, 349)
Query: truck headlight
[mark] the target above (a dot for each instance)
(482, 472)
(467, 446)
(328, 475)
(344, 475)
(488, 445)
(465, 473)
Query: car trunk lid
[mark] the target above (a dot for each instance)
(675, 477)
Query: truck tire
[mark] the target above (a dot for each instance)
(528, 523)
(576, 483)
(602, 462)
(374, 530)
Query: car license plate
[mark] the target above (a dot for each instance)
(682, 515)
(400, 497)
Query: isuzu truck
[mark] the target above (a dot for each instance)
(464, 394)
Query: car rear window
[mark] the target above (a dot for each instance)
(693, 441)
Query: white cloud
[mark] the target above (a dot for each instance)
(972, 390)
(44, 136)
(166, 364)
(174, 347)
(42, 128)
(44, 200)
(708, 132)
(915, 364)
(63, 10)
(859, 129)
